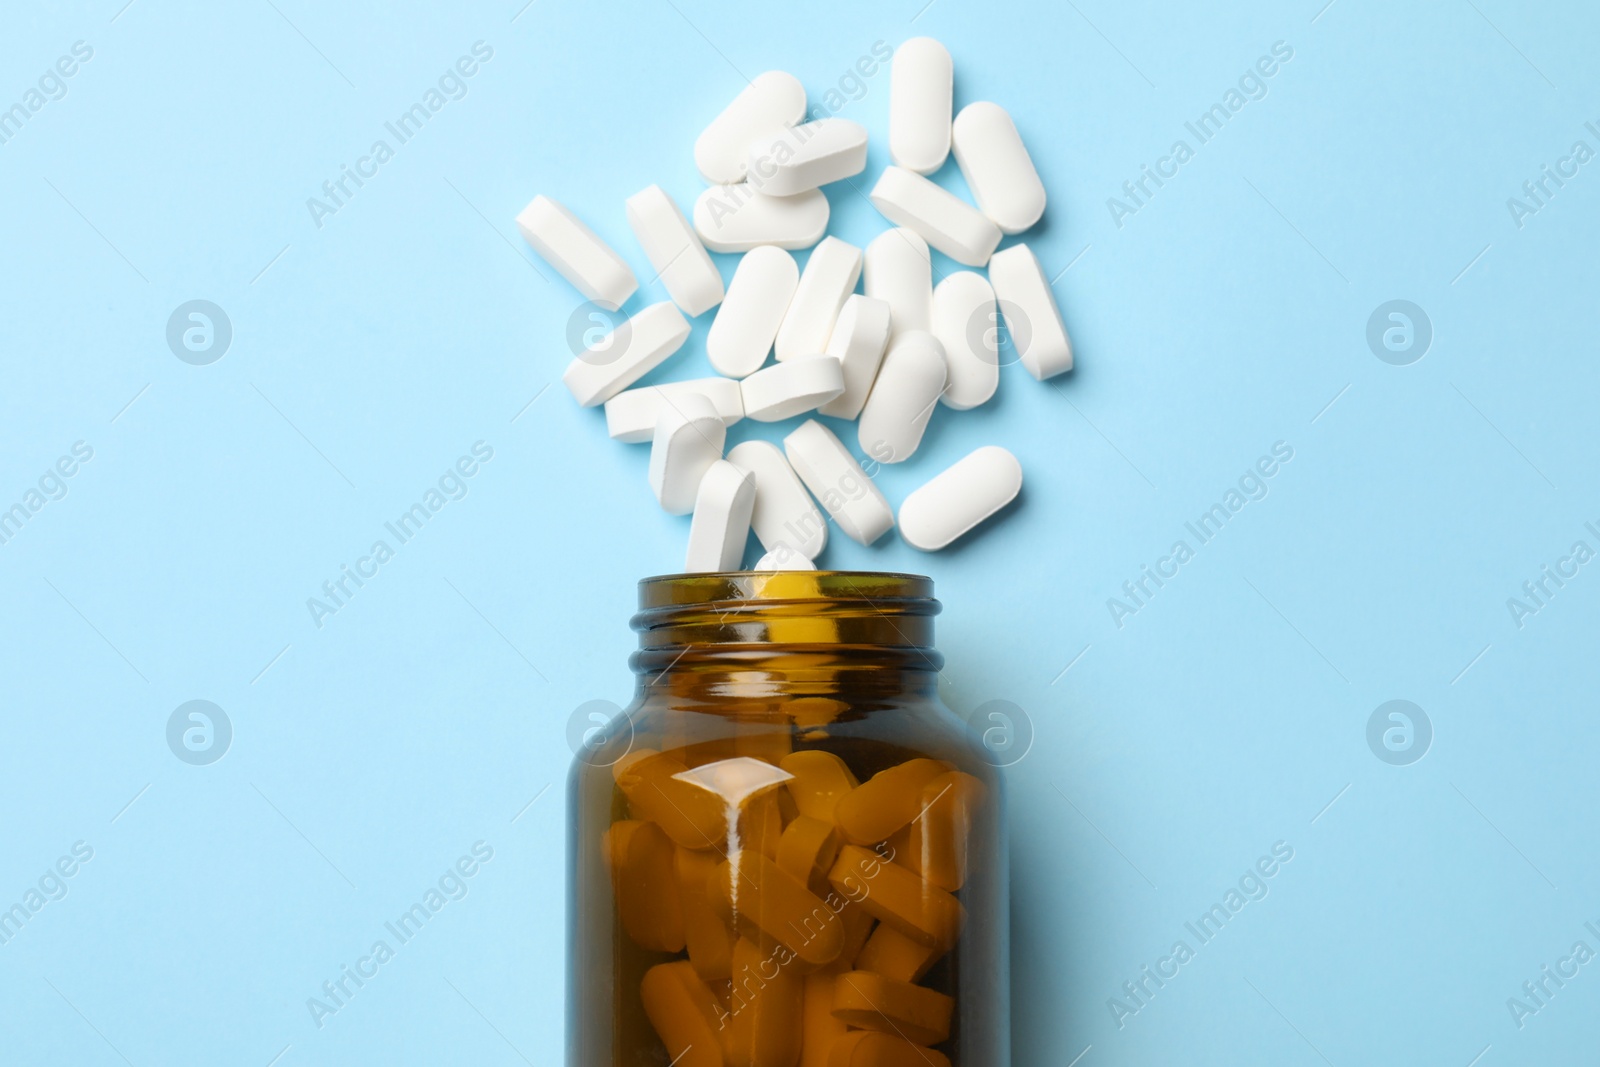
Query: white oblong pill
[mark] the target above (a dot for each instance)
(783, 558)
(688, 440)
(631, 415)
(1032, 316)
(830, 276)
(838, 482)
(573, 249)
(947, 222)
(998, 169)
(900, 273)
(966, 324)
(859, 339)
(675, 251)
(637, 346)
(721, 523)
(921, 92)
(737, 218)
(784, 517)
(785, 390)
(903, 398)
(808, 156)
(747, 322)
(959, 498)
(762, 108)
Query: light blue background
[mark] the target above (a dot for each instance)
(430, 712)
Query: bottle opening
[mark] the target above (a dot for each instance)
(851, 615)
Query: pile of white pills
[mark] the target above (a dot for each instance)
(885, 358)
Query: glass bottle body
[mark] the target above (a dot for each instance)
(787, 852)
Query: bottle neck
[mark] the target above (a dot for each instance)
(743, 639)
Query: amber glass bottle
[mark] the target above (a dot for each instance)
(788, 852)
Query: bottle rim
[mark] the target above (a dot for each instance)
(863, 614)
(685, 590)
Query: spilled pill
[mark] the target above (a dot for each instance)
(899, 271)
(721, 523)
(830, 276)
(637, 346)
(960, 497)
(737, 218)
(944, 220)
(808, 156)
(921, 88)
(1032, 317)
(674, 250)
(631, 415)
(997, 166)
(860, 337)
(838, 482)
(688, 440)
(769, 103)
(784, 515)
(966, 323)
(789, 335)
(903, 398)
(784, 390)
(783, 558)
(573, 249)
(757, 300)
